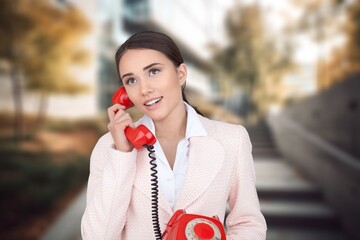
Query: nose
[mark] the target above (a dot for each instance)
(145, 88)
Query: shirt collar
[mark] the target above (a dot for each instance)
(195, 129)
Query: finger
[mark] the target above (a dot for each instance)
(132, 125)
(123, 124)
(121, 116)
(114, 109)
(119, 127)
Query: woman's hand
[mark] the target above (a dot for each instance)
(119, 120)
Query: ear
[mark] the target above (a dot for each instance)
(182, 73)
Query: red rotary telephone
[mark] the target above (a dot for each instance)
(190, 226)
(182, 226)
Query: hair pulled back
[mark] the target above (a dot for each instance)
(156, 41)
(151, 40)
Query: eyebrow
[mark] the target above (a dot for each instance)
(144, 69)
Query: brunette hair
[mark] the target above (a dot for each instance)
(156, 41)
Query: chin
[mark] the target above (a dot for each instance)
(157, 116)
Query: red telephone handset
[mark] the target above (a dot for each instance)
(183, 226)
(140, 135)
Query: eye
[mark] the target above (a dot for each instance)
(130, 81)
(153, 72)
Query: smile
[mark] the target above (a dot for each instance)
(152, 102)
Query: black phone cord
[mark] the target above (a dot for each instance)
(154, 192)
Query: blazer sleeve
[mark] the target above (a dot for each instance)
(111, 178)
(245, 220)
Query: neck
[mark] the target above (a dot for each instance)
(173, 126)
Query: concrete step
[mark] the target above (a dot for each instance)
(265, 152)
(307, 215)
(264, 137)
(300, 214)
(276, 179)
(287, 198)
(259, 133)
(270, 168)
(262, 144)
(291, 189)
(302, 234)
(292, 205)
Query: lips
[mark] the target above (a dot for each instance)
(152, 102)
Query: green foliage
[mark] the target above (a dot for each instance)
(31, 183)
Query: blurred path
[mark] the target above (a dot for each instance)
(67, 227)
(293, 207)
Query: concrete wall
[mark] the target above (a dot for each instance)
(334, 115)
(319, 136)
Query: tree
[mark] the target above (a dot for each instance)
(14, 26)
(354, 29)
(41, 45)
(320, 21)
(351, 59)
(252, 59)
(54, 49)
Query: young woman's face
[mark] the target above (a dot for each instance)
(152, 82)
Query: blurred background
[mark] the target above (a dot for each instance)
(289, 70)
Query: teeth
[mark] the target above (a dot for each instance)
(152, 102)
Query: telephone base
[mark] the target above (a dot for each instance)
(183, 226)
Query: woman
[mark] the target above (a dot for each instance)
(202, 164)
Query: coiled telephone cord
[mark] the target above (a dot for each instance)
(154, 192)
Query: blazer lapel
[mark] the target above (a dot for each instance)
(206, 157)
(143, 179)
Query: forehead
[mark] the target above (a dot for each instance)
(139, 58)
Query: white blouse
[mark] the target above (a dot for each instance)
(172, 181)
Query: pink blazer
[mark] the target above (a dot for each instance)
(221, 170)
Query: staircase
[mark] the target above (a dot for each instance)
(292, 205)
